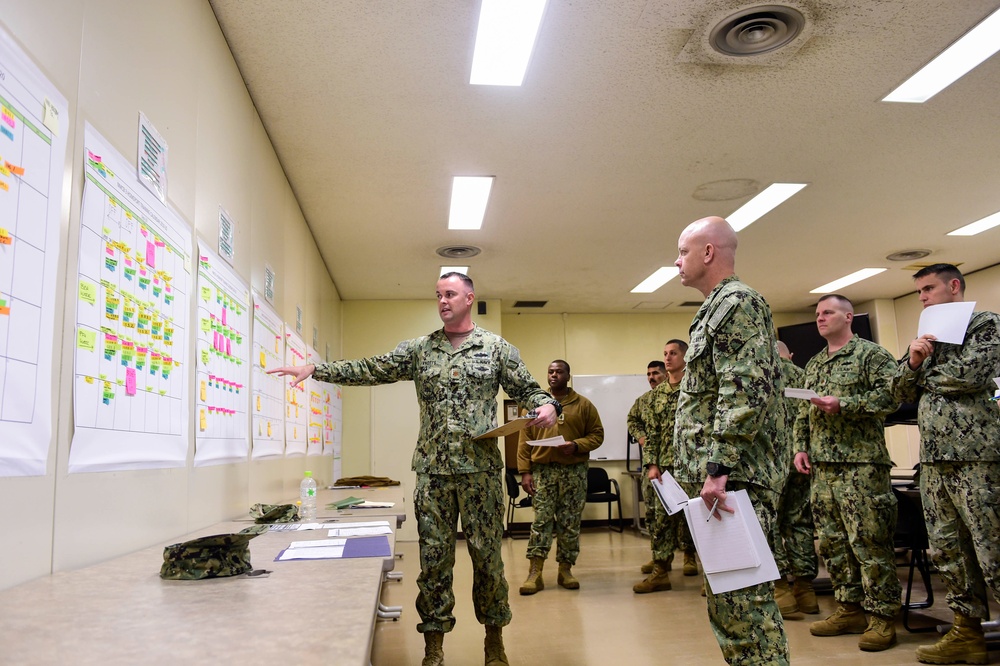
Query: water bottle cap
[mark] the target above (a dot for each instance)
(308, 473)
(298, 502)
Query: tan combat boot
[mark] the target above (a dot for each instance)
(784, 598)
(433, 648)
(880, 634)
(690, 564)
(805, 596)
(566, 578)
(495, 656)
(534, 582)
(657, 581)
(963, 644)
(647, 568)
(847, 619)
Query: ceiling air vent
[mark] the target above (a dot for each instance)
(530, 304)
(458, 251)
(908, 255)
(756, 30)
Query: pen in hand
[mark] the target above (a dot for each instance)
(712, 510)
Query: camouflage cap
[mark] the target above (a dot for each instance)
(209, 557)
(274, 513)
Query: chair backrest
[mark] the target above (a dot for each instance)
(597, 480)
(513, 487)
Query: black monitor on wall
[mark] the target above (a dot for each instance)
(804, 341)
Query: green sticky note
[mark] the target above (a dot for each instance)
(206, 325)
(88, 292)
(86, 339)
(206, 293)
(204, 356)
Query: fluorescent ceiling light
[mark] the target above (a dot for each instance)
(762, 204)
(951, 64)
(504, 40)
(469, 195)
(656, 280)
(979, 227)
(464, 270)
(837, 285)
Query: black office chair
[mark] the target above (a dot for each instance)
(513, 503)
(599, 490)
(911, 536)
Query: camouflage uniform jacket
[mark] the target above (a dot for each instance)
(456, 393)
(579, 423)
(659, 449)
(730, 405)
(958, 421)
(859, 374)
(637, 419)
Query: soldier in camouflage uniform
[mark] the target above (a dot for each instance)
(794, 552)
(636, 421)
(959, 462)
(841, 441)
(728, 414)
(658, 457)
(556, 478)
(457, 371)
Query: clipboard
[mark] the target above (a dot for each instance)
(509, 428)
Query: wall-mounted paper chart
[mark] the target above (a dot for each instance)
(296, 397)
(268, 398)
(130, 386)
(314, 389)
(32, 168)
(222, 361)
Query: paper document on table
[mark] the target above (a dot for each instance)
(372, 546)
(672, 497)
(318, 543)
(509, 428)
(368, 504)
(947, 321)
(548, 441)
(801, 394)
(731, 559)
(347, 531)
(318, 553)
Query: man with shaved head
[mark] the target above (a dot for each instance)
(726, 430)
(841, 444)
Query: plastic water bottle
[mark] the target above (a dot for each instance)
(307, 495)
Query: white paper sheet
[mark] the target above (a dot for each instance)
(670, 493)
(947, 322)
(548, 441)
(801, 394)
(725, 581)
(268, 391)
(320, 553)
(347, 531)
(296, 398)
(317, 543)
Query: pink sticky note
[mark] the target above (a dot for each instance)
(223, 316)
(229, 347)
(150, 255)
(130, 381)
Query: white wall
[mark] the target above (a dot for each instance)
(112, 59)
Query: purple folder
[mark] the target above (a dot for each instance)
(371, 546)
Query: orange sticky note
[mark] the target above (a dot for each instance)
(203, 391)
(203, 424)
(16, 170)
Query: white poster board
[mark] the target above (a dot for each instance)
(613, 395)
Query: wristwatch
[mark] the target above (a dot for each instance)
(716, 470)
(558, 405)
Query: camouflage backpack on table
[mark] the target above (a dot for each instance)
(210, 557)
(274, 513)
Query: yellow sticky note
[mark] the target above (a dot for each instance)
(206, 293)
(203, 422)
(295, 432)
(88, 292)
(263, 360)
(258, 403)
(268, 428)
(204, 392)
(85, 339)
(89, 380)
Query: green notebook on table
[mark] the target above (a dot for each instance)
(345, 503)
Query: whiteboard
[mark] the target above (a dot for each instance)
(613, 395)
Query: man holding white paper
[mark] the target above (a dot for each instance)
(726, 431)
(841, 443)
(959, 461)
(556, 477)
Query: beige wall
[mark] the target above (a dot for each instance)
(113, 59)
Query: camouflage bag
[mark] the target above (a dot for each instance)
(209, 557)
(274, 513)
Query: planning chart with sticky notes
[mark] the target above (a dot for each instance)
(32, 170)
(296, 397)
(222, 361)
(134, 274)
(267, 404)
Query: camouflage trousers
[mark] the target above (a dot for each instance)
(794, 531)
(560, 496)
(438, 500)
(746, 622)
(962, 510)
(855, 514)
(664, 529)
